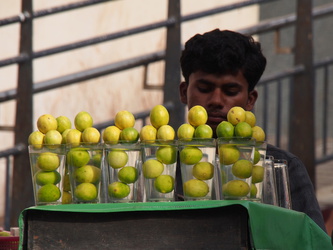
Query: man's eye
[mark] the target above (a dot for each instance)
(204, 89)
(232, 92)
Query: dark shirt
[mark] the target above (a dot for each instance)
(303, 196)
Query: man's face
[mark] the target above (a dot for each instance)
(217, 94)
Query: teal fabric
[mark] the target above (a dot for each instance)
(271, 227)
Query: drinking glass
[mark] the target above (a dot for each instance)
(269, 192)
(282, 183)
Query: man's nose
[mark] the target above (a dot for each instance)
(216, 97)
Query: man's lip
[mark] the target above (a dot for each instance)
(215, 119)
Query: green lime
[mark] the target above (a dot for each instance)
(78, 157)
(83, 120)
(124, 119)
(242, 169)
(203, 131)
(128, 174)
(164, 184)
(243, 129)
(197, 115)
(87, 173)
(46, 123)
(129, 134)
(97, 160)
(195, 188)
(258, 133)
(167, 154)
(253, 191)
(148, 133)
(250, 118)
(48, 161)
(48, 193)
(257, 174)
(256, 157)
(117, 158)
(47, 177)
(63, 123)
(185, 131)
(225, 129)
(228, 154)
(86, 192)
(203, 170)
(152, 168)
(165, 132)
(91, 135)
(118, 190)
(190, 155)
(236, 188)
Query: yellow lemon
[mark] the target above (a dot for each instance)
(203, 170)
(63, 123)
(236, 115)
(167, 154)
(124, 119)
(48, 193)
(250, 118)
(159, 116)
(97, 160)
(87, 173)
(86, 192)
(46, 122)
(228, 154)
(165, 132)
(117, 158)
(258, 133)
(236, 188)
(91, 135)
(164, 184)
(195, 188)
(83, 120)
(129, 134)
(48, 161)
(243, 129)
(152, 168)
(111, 134)
(242, 169)
(53, 137)
(257, 174)
(203, 131)
(118, 190)
(197, 115)
(128, 174)
(36, 138)
(185, 131)
(47, 177)
(66, 198)
(77, 158)
(148, 133)
(74, 137)
(225, 129)
(190, 155)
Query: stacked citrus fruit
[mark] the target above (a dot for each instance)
(238, 166)
(196, 165)
(56, 131)
(160, 154)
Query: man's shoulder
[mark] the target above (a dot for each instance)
(279, 153)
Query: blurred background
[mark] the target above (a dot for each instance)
(102, 56)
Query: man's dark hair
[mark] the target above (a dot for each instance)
(223, 52)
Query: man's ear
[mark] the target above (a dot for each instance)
(252, 98)
(183, 92)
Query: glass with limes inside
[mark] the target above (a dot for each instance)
(198, 168)
(123, 164)
(159, 163)
(47, 164)
(236, 157)
(258, 171)
(86, 172)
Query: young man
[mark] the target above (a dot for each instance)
(221, 70)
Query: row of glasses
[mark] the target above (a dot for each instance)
(146, 171)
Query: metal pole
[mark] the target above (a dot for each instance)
(22, 193)
(302, 91)
(172, 66)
